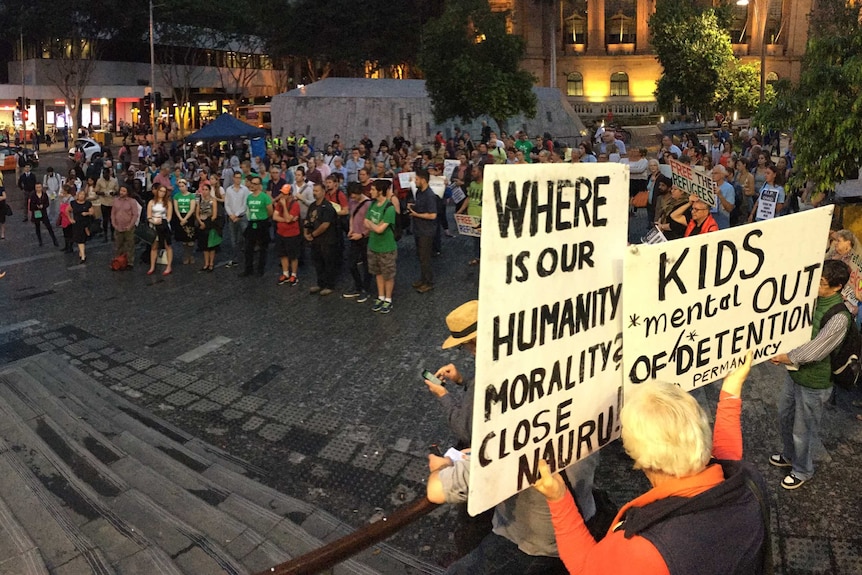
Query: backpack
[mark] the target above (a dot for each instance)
(845, 359)
(119, 263)
(396, 229)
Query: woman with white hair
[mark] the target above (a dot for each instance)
(702, 515)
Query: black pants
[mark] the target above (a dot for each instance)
(359, 264)
(106, 221)
(424, 245)
(256, 235)
(326, 258)
(38, 223)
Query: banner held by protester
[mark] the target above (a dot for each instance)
(549, 346)
(695, 306)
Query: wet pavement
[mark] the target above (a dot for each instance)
(325, 396)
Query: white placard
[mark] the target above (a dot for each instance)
(406, 180)
(469, 225)
(654, 236)
(449, 168)
(766, 202)
(695, 306)
(437, 185)
(549, 346)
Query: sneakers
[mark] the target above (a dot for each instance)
(350, 294)
(325, 291)
(292, 281)
(314, 289)
(424, 288)
(386, 307)
(283, 279)
(791, 481)
(230, 264)
(363, 297)
(378, 305)
(778, 461)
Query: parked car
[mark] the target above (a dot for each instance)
(9, 157)
(88, 145)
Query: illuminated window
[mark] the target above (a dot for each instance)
(620, 21)
(575, 84)
(771, 78)
(619, 84)
(574, 14)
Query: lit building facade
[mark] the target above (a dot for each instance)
(604, 60)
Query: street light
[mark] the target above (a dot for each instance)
(761, 22)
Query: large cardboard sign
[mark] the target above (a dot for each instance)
(549, 346)
(693, 307)
(693, 181)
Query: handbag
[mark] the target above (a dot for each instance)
(640, 200)
(214, 240)
(147, 234)
(7, 208)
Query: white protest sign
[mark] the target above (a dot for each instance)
(406, 180)
(549, 346)
(695, 306)
(654, 236)
(468, 225)
(437, 185)
(449, 168)
(692, 181)
(766, 203)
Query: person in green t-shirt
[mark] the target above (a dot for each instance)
(474, 206)
(259, 211)
(382, 247)
(524, 145)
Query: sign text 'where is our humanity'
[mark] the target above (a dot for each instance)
(549, 345)
(694, 307)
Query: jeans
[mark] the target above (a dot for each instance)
(359, 264)
(256, 235)
(106, 221)
(424, 245)
(799, 411)
(38, 223)
(237, 236)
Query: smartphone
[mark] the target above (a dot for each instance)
(431, 377)
(434, 449)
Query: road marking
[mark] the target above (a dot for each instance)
(61, 282)
(204, 349)
(8, 263)
(17, 326)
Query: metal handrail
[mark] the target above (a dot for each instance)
(342, 549)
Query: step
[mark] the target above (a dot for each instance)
(154, 463)
(145, 464)
(119, 541)
(102, 512)
(140, 449)
(18, 554)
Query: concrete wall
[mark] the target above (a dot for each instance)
(353, 108)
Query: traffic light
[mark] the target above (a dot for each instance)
(147, 101)
(28, 102)
(19, 103)
(158, 100)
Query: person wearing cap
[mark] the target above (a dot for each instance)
(522, 536)
(288, 241)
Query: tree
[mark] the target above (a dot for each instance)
(75, 34)
(336, 37)
(693, 47)
(739, 88)
(825, 110)
(471, 65)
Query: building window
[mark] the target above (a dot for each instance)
(771, 78)
(739, 33)
(774, 22)
(621, 21)
(619, 84)
(575, 84)
(574, 25)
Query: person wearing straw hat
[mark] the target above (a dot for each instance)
(462, 322)
(522, 535)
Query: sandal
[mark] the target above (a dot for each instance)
(856, 403)
(859, 417)
(474, 262)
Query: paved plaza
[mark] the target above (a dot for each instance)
(324, 396)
